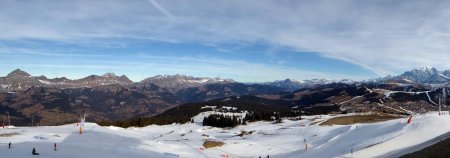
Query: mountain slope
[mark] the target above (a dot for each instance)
(51, 105)
(221, 90)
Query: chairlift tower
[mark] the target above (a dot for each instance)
(82, 121)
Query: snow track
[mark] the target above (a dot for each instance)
(350, 100)
(194, 149)
(429, 98)
(407, 111)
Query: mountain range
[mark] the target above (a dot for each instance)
(109, 96)
(178, 82)
(21, 80)
(425, 75)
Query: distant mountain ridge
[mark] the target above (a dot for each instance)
(424, 75)
(178, 82)
(291, 84)
(20, 80)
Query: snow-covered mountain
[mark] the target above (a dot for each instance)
(20, 80)
(291, 84)
(178, 82)
(423, 75)
(288, 84)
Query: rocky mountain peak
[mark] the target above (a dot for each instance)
(18, 73)
(425, 70)
(421, 74)
(124, 79)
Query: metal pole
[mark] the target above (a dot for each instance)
(9, 119)
(440, 105)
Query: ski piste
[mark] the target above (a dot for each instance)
(285, 139)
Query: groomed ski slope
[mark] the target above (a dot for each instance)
(282, 140)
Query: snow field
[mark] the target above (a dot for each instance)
(286, 139)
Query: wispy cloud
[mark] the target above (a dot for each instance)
(37, 52)
(162, 9)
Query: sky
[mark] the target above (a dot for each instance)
(248, 41)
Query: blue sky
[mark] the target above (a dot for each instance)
(141, 58)
(249, 41)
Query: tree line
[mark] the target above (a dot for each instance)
(257, 109)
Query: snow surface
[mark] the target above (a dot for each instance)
(286, 139)
(46, 82)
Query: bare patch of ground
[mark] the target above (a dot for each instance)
(210, 144)
(347, 120)
(8, 134)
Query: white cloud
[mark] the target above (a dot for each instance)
(383, 36)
